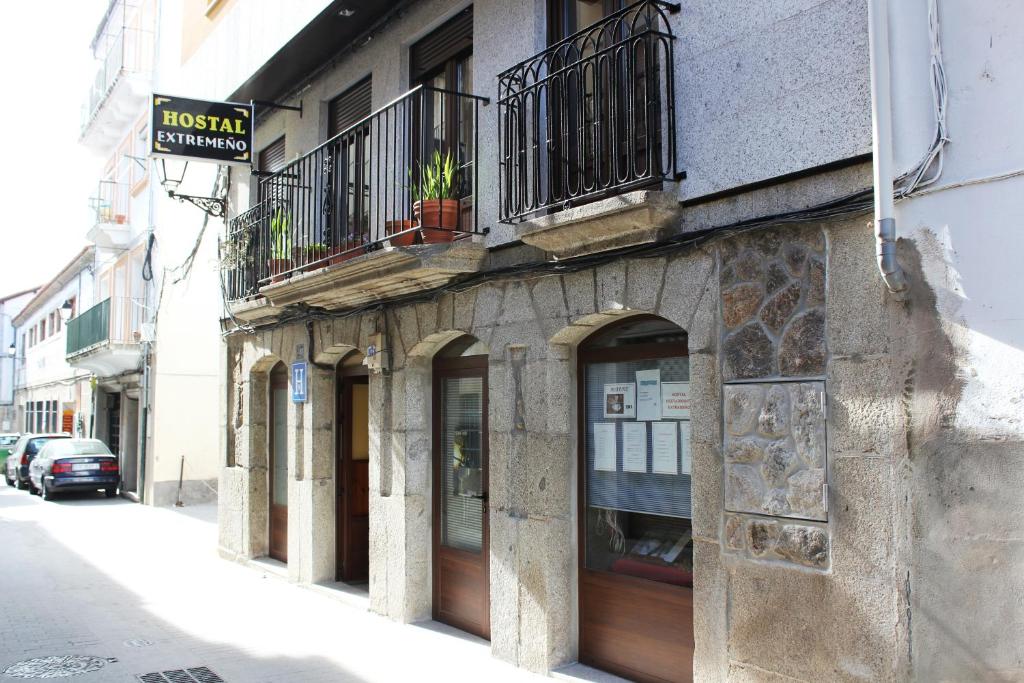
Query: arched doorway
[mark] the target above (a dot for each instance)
(635, 550)
(461, 536)
(277, 447)
(352, 470)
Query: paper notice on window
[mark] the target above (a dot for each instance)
(634, 446)
(619, 400)
(664, 448)
(604, 447)
(648, 395)
(684, 438)
(675, 400)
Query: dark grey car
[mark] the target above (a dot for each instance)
(24, 452)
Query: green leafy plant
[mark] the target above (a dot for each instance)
(280, 235)
(437, 179)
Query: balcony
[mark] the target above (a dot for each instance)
(385, 208)
(587, 147)
(103, 338)
(121, 87)
(110, 227)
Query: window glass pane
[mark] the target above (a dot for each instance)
(280, 446)
(638, 504)
(462, 463)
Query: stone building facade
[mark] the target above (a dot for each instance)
(810, 384)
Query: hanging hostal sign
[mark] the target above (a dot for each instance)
(205, 131)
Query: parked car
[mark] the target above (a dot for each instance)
(74, 465)
(7, 442)
(24, 452)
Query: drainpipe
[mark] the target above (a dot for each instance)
(881, 123)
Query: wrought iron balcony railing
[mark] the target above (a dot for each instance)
(129, 50)
(111, 202)
(113, 320)
(406, 173)
(591, 116)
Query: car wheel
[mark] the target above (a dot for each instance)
(10, 482)
(44, 491)
(111, 492)
(18, 483)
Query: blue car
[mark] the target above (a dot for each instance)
(75, 465)
(24, 452)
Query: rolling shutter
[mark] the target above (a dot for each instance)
(348, 108)
(448, 41)
(271, 157)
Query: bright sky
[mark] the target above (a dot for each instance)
(47, 178)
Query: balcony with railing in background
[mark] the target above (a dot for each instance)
(383, 195)
(110, 227)
(588, 119)
(124, 49)
(104, 339)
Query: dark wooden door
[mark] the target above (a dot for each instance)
(278, 452)
(460, 509)
(353, 499)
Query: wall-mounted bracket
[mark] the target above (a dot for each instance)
(275, 105)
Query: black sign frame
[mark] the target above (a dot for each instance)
(200, 130)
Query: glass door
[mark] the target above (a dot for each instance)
(278, 547)
(461, 540)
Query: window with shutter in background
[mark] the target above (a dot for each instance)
(271, 157)
(350, 107)
(451, 40)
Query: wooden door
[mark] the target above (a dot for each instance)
(353, 499)
(278, 452)
(460, 510)
(635, 531)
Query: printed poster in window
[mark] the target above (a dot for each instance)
(634, 447)
(620, 400)
(648, 394)
(675, 400)
(604, 447)
(665, 448)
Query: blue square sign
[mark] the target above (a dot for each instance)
(299, 392)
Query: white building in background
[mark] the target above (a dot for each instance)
(10, 306)
(51, 394)
(151, 337)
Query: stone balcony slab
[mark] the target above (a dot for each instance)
(379, 275)
(625, 220)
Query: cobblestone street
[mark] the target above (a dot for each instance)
(142, 590)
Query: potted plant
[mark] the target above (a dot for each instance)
(280, 261)
(311, 255)
(437, 210)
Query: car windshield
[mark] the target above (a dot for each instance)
(73, 447)
(8, 440)
(37, 443)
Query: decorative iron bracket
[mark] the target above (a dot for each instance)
(213, 206)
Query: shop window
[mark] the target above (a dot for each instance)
(637, 460)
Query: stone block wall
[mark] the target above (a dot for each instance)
(773, 327)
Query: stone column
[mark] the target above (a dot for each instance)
(314, 483)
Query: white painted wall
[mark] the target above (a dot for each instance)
(966, 525)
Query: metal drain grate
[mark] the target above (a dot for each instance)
(56, 667)
(198, 674)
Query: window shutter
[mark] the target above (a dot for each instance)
(448, 41)
(350, 107)
(271, 157)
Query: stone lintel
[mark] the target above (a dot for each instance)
(625, 220)
(379, 275)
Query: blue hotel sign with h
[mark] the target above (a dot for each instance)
(299, 382)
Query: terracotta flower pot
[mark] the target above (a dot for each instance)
(437, 213)
(407, 236)
(278, 268)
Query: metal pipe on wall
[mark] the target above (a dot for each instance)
(881, 123)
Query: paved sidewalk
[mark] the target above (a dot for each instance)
(143, 590)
